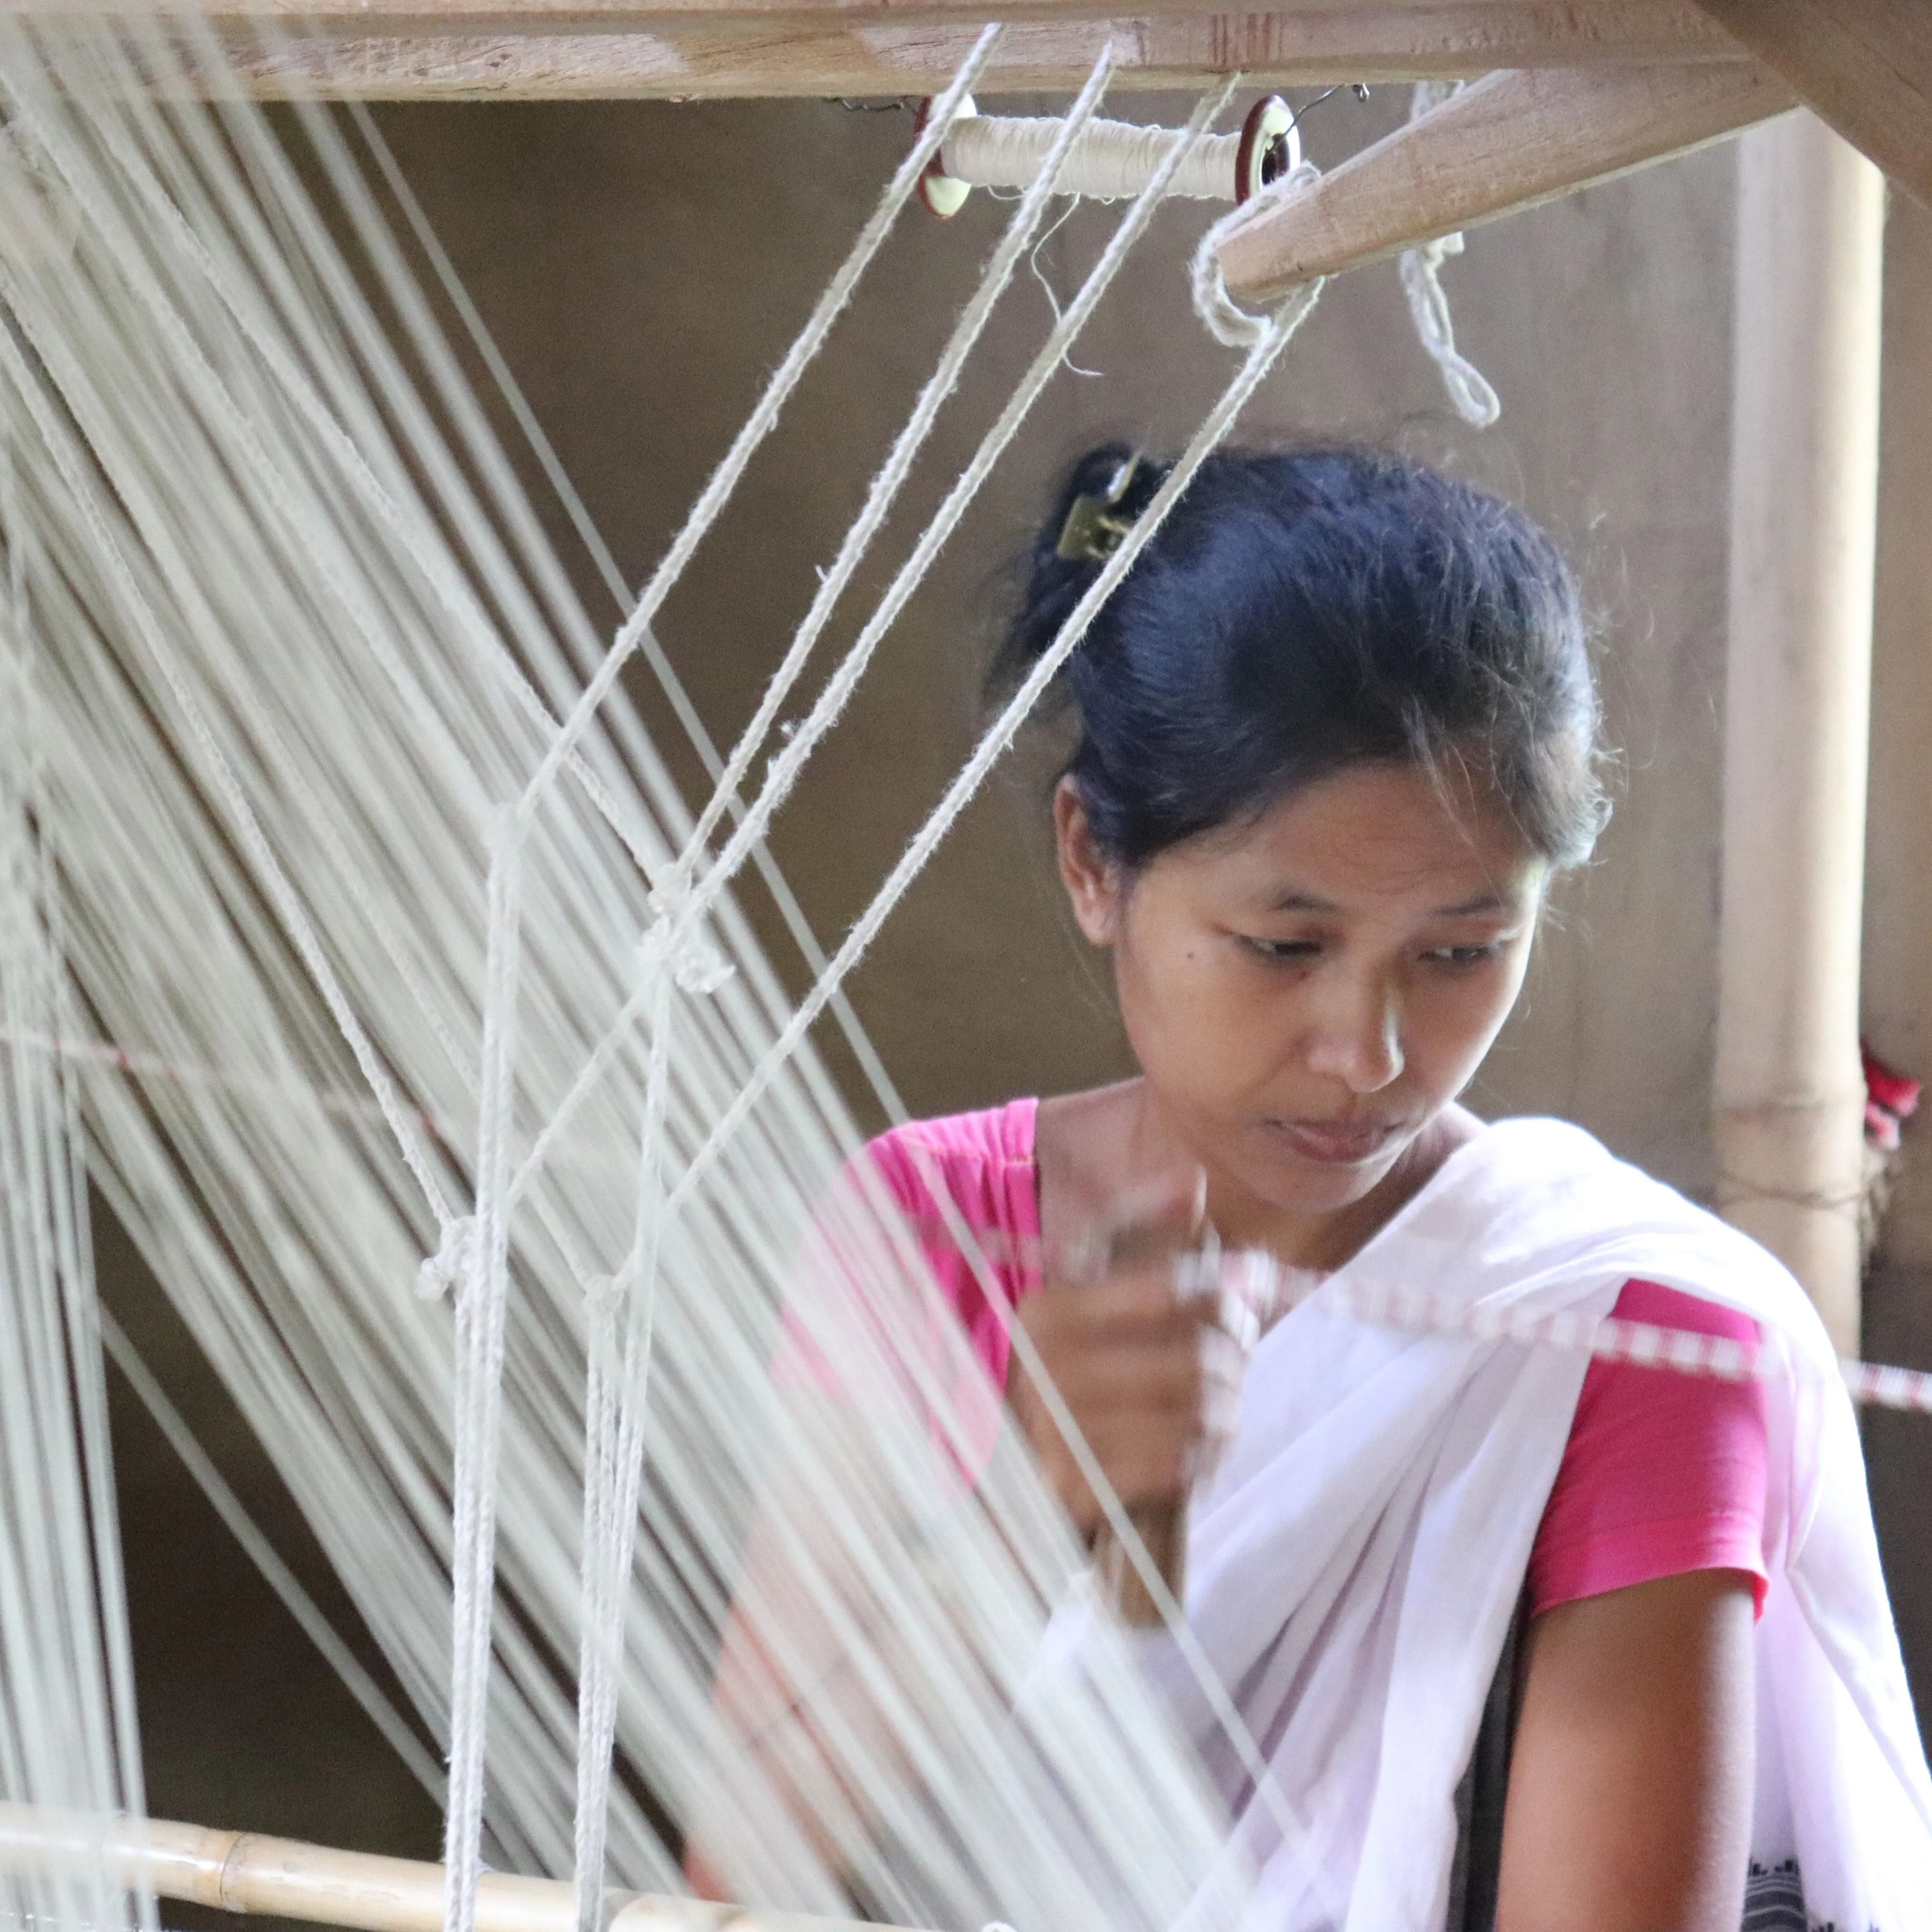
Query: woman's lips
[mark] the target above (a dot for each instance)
(1334, 1143)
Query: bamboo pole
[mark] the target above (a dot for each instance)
(239, 1871)
(1509, 142)
(1789, 1099)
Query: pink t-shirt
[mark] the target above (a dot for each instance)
(1663, 1474)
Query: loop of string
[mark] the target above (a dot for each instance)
(675, 943)
(452, 1263)
(1421, 268)
(1224, 318)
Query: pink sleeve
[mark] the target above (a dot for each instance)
(1663, 1474)
(981, 1166)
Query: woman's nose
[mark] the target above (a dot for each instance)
(1357, 1037)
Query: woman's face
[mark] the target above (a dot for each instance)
(1306, 993)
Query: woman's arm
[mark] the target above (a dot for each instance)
(1152, 1383)
(1630, 1789)
(786, 1668)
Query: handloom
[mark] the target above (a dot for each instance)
(360, 950)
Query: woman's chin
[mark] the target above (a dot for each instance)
(1292, 1180)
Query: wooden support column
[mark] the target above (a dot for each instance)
(1790, 1099)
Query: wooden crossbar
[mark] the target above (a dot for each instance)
(1865, 65)
(1579, 23)
(573, 49)
(1510, 142)
(1274, 50)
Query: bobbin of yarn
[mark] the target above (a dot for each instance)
(1109, 158)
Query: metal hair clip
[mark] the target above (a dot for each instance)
(1090, 535)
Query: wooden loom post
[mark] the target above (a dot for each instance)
(1789, 1099)
(1511, 140)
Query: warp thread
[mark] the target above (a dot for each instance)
(481, 1311)
(617, 1387)
(881, 495)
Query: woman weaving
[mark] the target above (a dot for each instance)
(1335, 739)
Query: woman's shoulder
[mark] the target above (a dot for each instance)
(1663, 1473)
(1540, 1198)
(991, 1137)
(971, 1174)
(980, 1162)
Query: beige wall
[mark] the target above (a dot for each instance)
(644, 265)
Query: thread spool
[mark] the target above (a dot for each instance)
(1110, 159)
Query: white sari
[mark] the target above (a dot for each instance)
(1354, 1567)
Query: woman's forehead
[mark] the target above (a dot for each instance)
(1373, 833)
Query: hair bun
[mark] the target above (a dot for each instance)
(1099, 499)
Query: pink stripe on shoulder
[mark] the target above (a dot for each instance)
(982, 1165)
(1663, 1474)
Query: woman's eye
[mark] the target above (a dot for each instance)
(1463, 956)
(1288, 949)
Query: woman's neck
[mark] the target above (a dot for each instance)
(1095, 1152)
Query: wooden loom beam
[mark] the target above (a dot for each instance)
(1511, 141)
(1863, 66)
(239, 1871)
(1574, 23)
(901, 56)
(566, 50)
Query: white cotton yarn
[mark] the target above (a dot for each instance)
(1110, 160)
(349, 792)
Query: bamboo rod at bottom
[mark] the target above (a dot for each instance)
(243, 1871)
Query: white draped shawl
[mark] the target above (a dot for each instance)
(1354, 1568)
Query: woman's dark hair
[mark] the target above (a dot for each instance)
(1300, 612)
